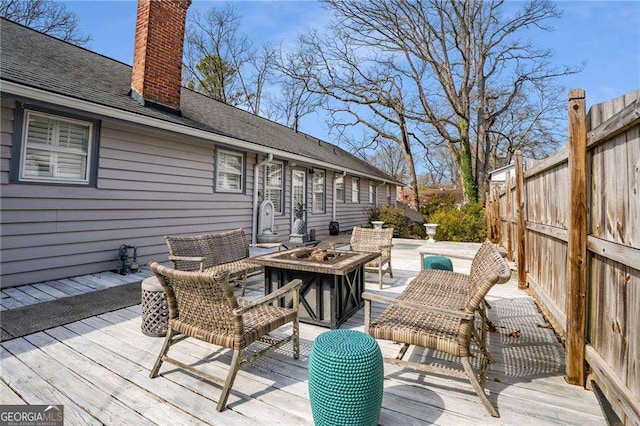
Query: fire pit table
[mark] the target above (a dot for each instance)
(332, 281)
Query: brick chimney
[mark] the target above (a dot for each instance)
(157, 56)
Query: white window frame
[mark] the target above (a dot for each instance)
(372, 192)
(303, 172)
(315, 208)
(340, 181)
(219, 188)
(355, 189)
(388, 194)
(278, 205)
(56, 150)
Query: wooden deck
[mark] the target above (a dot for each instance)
(98, 369)
(27, 295)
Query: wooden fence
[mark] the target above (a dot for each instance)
(572, 223)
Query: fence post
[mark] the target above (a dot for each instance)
(497, 216)
(577, 239)
(487, 213)
(520, 230)
(509, 217)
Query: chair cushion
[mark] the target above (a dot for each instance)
(236, 268)
(435, 287)
(257, 323)
(429, 330)
(263, 320)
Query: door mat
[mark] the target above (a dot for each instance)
(42, 316)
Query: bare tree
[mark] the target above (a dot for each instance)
(48, 17)
(529, 126)
(440, 167)
(362, 92)
(389, 158)
(221, 62)
(467, 63)
(292, 102)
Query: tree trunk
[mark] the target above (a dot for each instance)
(465, 160)
(469, 187)
(414, 203)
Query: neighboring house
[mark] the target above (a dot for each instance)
(96, 153)
(498, 177)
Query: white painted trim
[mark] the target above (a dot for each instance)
(304, 193)
(86, 106)
(56, 149)
(256, 172)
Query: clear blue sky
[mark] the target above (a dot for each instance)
(605, 34)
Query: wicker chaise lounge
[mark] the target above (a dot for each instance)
(202, 306)
(437, 311)
(376, 241)
(214, 253)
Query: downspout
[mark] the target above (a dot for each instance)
(256, 173)
(335, 193)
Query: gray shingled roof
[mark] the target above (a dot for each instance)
(34, 59)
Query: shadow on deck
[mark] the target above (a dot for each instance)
(98, 366)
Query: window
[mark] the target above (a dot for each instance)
(388, 194)
(229, 171)
(273, 173)
(355, 190)
(318, 192)
(372, 192)
(340, 189)
(56, 149)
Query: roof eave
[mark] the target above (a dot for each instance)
(21, 90)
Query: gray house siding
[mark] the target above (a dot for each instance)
(320, 221)
(149, 184)
(351, 213)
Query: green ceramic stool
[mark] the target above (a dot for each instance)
(437, 262)
(345, 379)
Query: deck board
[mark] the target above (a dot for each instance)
(98, 369)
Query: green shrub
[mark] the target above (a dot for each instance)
(393, 217)
(438, 202)
(467, 223)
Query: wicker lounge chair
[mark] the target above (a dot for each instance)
(377, 241)
(213, 253)
(437, 311)
(202, 305)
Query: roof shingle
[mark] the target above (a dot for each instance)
(30, 58)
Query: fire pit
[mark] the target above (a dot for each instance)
(332, 281)
(324, 256)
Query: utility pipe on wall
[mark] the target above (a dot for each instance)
(256, 173)
(335, 192)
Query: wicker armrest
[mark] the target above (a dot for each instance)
(292, 286)
(385, 246)
(187, 258)
(417, 306)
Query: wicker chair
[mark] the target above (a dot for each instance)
(377, 241)
(202, 305)
(437, 311)
(213, 253)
